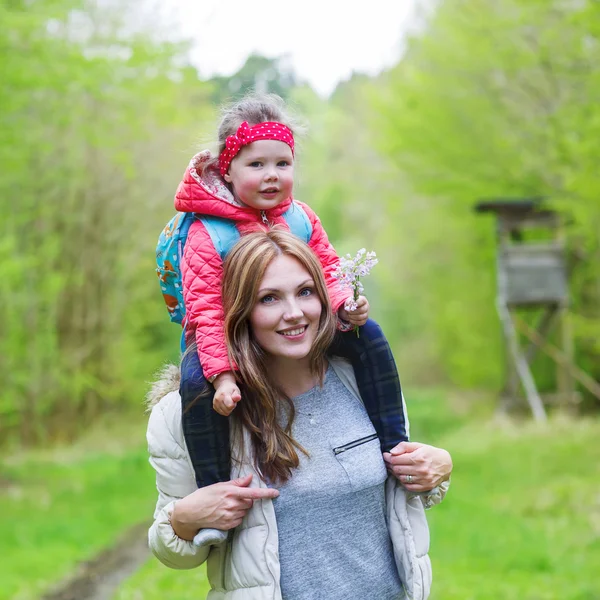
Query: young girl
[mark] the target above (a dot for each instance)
(250, 183)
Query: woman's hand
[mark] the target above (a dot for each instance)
(418, 467)
(218, 506)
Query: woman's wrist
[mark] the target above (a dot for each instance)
(181, 526)
(449, 465)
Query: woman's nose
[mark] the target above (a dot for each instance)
(293, 312)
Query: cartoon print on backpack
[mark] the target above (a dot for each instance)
(171, 302)
(171, 226)
(167, 273)
(168, 260)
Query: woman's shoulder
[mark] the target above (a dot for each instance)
(343, 369)
(164, 424)
(164, 433)
(166, 381)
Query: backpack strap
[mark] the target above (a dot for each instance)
(223, 233)
(298, 222)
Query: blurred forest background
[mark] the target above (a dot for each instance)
(100, 116)
(100, 112)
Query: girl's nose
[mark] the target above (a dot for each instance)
(271, 174)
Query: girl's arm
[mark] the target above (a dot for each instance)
(201, 273)
(320, 244)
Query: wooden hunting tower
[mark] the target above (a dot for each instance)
(531, 274)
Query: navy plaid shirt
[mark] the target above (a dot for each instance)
(207, 433)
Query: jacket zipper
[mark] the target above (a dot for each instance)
(263, 216)
(355, 443)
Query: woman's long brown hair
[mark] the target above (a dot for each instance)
(275, 450)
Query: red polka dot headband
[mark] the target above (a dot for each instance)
(269, 130)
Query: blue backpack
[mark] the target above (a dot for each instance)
(223, 233)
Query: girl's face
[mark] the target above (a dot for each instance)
(285, 318)
(262, 174)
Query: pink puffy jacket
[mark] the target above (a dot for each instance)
(202, 268)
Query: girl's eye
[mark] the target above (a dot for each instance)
(268, 299)
(255, 163)
(283, 163)
(306, 292)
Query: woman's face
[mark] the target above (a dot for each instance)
(285, 318)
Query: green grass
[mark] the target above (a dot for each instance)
(60, 506)
(154, 581)
(521, 521)
(523, 518)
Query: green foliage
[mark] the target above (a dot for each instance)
(493, 99)
(95, 132)
(99, 120)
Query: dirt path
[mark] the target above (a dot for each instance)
(99, 578)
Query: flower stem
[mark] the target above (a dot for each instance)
(356, 298)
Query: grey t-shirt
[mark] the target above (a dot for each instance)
(333, 539)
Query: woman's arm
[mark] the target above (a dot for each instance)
(219, 506)
(174, 480)
(182, 509)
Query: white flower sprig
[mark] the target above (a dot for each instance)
(349, 272)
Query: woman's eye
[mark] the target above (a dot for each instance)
(267, 299)
(306, 292)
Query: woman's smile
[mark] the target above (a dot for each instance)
(295, 333)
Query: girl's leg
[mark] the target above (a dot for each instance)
(378, 382)
(206, 432)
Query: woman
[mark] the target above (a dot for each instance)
(313, 511)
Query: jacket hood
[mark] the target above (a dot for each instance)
(167, 381)
(202, 190)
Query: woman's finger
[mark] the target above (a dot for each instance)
(232, 523)
(245, 503)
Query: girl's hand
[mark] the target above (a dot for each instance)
(418, 467)
(218, 506)
(358, 316)
(227, 393)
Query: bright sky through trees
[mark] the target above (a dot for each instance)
(326, 40)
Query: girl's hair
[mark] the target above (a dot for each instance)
(275, 450)
(253, 108)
